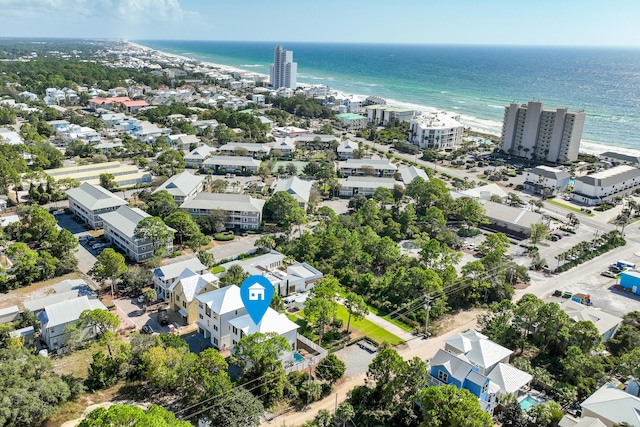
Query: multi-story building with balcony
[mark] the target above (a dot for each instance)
(119, 229)
(244, 212)
(536, 133)
(436, 130)
(88, 202)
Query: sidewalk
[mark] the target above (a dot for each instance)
(385, 324)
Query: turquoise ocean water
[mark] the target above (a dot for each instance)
(475, 81)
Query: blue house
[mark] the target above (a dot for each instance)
(446, 368)
(630, 281)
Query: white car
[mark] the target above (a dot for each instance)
(141, 299)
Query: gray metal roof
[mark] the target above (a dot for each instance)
(620, 156)
(200, 153)
(614, 405)
(171, 271)
(611, 176)
(298, 188)
(511, 215)
(68, 311)
(549, 172)
(124, 219)
(409, 173)
(181, 184)
(94, 197)
(223, 300)
(232, 161)
(359, 163)
(368, 182)
(38, 304)
(348, 146)
(224, 201)
(249, 146)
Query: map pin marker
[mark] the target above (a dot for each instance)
(256, 293)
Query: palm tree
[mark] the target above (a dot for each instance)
(573, 220)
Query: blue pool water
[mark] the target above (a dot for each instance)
(297, 357)
(528, 402)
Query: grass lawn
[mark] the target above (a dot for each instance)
(77, 362)
(365, 326)
(389, 319)
(572, 208)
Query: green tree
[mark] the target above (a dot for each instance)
(136, 278)
(183, 224)
(356, 306)
(130, 415)
(207, 259)
(470, 211)
(102, 320)
(259, 355)
(108, 181)
(546, 414)
(239, 408)
(154, 229)
(537, 233)
(167, 368)
(265, 241)
(234, 275)
(331, 368)
(170, 162)
(630, 364)
(281, 207)
(25, 264)
(31, 391)
(110, 266)
(223, 134)
(451, 406)
(161, 204)
(208, 376)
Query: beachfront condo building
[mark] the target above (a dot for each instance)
(534, 132)
(435, 130)
(283, 70)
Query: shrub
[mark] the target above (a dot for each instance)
(224, 237)
(463, 232)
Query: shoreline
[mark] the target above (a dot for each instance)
(475, 124)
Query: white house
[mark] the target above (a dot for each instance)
(272, 322)
(254, 150)
(88, 202)
(612, 406)
(285, 145)
(244, 212)
(119, 229)
(215, 310)
(606, 185)
(196, 158)
(164, 276)
(352, 121)
(298, 188)
(546, 180)
(10, 137)
(409, 173)
(606, 324)
(346, 149)
(56, 317)
(182, 185)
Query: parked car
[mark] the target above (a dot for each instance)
(141, 299)
(146, 329)
(608, 273)
(615, 269)
(58, 212)
(97, 246)
(84, 237)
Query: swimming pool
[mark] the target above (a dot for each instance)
(297, 357)
(528, 402)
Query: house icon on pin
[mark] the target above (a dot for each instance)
(256, 292)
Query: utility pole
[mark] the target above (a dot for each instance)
(427, 306)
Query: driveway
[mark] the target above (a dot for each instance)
(130, 308)
(86, 256)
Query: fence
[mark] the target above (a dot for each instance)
(318, 352)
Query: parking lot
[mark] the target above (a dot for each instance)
(86, 256)
(130, 308)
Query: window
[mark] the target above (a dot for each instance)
(235, 331)
(207, 311)
(184, 304)
(178, 298)
(443, 376)
(215, 327)
(215, 341)
(200, 316)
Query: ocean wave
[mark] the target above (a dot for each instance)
(501, 107)
(252, 65)
(593, 147)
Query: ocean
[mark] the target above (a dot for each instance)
(475, 81)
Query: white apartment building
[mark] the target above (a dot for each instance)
(88, 202)
(245, 212)
(436, 130)
(365, 185)
(215, 310)
(182, 185)
(380, 115)
(534, 132)
(119, 229)
(606, 185)
(546, 180)
(373, 167)
(232, 164)
(284, 71)
(196, 158)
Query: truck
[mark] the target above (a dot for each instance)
(625, 265)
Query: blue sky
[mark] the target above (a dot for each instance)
(512, 22)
